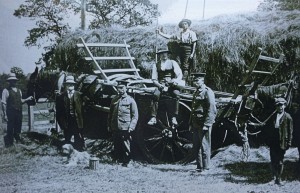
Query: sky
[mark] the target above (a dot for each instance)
(13, 31)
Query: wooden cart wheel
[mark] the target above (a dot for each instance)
(164, 142)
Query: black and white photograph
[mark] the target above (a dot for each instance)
(148, 96)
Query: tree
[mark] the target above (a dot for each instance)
(51, 25)
(286, 5)
(127, 13)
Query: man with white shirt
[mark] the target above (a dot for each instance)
(187, 42)
(73, 114)
(167, 76)
(279, 137)
(12, 110)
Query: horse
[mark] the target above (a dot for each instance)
(246, 118)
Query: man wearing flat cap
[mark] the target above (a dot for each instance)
(166, 75)
(202, 117)
(279, 137)
(187, 41)
(73, 110)
(122, 120)
(12, 110)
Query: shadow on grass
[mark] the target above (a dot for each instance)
(260, 173)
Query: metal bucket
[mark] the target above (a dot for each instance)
(94, 162)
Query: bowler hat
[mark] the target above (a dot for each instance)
(70, 80)
(280, 100)
(184, 20)
(11, 77)
(196, 76)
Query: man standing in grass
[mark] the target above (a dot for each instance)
(279, 137)
(12, 110)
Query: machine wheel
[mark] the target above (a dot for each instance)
(164, 142)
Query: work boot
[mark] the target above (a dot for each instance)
(174, 121)
(152, 121)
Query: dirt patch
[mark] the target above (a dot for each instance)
(39, 166)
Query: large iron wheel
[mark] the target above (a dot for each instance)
(164, 142)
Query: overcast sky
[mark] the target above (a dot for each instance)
(13, 31)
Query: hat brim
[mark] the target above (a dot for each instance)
(189, 22)
(163, 51)
(70, 83)
(12, 79)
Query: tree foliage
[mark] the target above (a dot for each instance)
(49, 17)
(287, 5)
(127, 13)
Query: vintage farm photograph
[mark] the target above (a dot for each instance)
(150, 96)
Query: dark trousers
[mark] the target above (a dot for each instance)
(122, 140)
(186, 61)
(167, 101)
(72, 129)
(14, 126)
(202, 147)
(276, 155)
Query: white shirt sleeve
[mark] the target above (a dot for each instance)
(154, 72)
(5, 95)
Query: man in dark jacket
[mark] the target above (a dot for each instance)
(72, 108)
(122, 120)
(202, 117)
(12, 110)
(279, 137)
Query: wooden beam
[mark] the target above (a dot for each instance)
(261, 57)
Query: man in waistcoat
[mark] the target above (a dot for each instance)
(73, 112)
(167, 76)
(122, 120)
(202, 117)
(12, 110)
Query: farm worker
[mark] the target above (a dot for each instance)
(122, 120)
(279, 137)
(73, 110)
(167, 76)
(12, 110)
(202, 117)
(187, 44)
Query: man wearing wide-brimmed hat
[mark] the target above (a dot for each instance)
(166, 75)
(202, 118)
(12, 110)
(279, 137)
(73, 112)
(187, 41)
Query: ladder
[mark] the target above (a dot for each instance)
(252, 69)
(110, 73)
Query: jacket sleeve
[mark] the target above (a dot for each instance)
(211, 108)
(290, 131)
(134, 115)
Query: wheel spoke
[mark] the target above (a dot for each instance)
(170, 148)
(182, 150)
(162, 152)
(155, 128)
(184, 140)
(154, 138)
(155, 145)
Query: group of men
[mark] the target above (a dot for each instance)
(123, 116)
